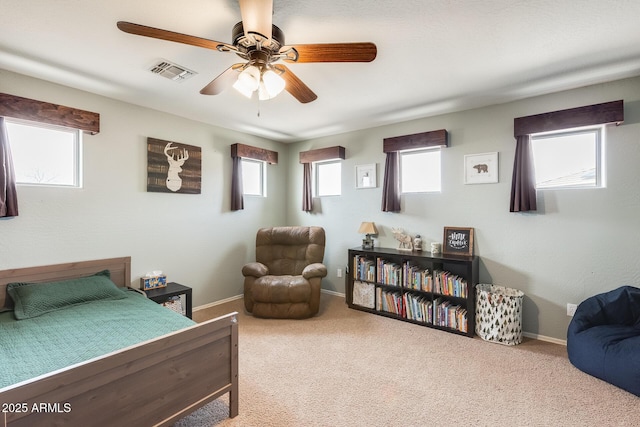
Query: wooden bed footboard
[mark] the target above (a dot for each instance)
(151, 384)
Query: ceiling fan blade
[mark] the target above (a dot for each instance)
(257, 17)
(331, 52)
(223, 81)
(156, 33)
(295, 86)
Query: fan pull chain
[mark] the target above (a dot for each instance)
(258, 100)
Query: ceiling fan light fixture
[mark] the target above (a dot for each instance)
(263, 94)
(271, 85)
(248, 81)
(243, 90)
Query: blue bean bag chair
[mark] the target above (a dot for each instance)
(603, 338)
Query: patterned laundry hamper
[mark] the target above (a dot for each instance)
(499, 314)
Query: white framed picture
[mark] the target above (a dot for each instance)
(366, 176)
(481, 168)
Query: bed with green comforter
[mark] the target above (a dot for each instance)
(76, 340)
(76, 330)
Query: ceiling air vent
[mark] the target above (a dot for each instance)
(172, 71)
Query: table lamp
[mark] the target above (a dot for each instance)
(367, 228)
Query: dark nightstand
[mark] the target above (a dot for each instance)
(172, 289)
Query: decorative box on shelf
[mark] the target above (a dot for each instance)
(153, 282)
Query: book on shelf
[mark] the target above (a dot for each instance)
(417, 278)
(364, 269)
(390, 302)
(446, 283)
(389, 273)
(417, 307)
(450, 316)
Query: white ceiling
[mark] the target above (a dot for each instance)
(434, 56)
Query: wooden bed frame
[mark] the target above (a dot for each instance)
(153, 383)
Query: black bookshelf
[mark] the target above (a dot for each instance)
(401, 288)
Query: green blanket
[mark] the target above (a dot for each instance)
(55, 340)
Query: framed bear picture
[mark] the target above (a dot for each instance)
(481, 168)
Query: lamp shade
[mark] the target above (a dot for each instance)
(275, 84)
(271, 85)
(259, 78)
(248, 81)
(368, 228)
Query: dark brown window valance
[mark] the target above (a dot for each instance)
(322, 154)
(255, 153)
(597, 114)
(435, 138)
(46, 112)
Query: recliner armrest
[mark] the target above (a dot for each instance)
(255, 269)
(314, 270)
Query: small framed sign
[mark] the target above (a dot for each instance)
(458, 241)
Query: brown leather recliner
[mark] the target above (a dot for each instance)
(285, 281)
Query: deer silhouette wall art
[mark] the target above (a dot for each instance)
(173, 167)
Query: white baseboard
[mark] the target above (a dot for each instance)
(213, 304)
(545, 338)
(237, 297)
(222, 301)
(334, 293)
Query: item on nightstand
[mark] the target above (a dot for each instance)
(174, 304)
(153, 281)
(367, 228)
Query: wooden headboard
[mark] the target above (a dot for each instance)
(120, 269)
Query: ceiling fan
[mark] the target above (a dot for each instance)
(261, 44)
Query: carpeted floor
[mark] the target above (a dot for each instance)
(349, 368)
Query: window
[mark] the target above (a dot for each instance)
(254, 178)
(328, 178)
(569, 159)
(420, 171)
(45, 154)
